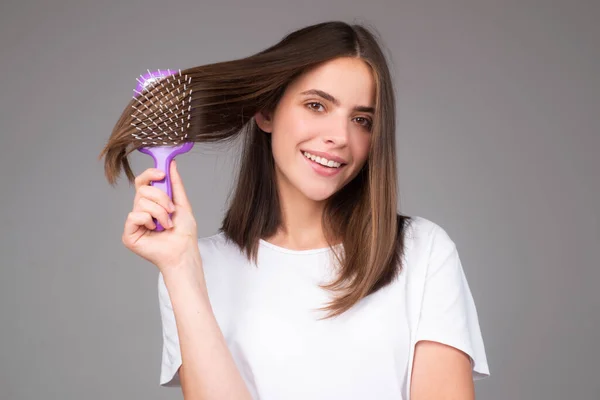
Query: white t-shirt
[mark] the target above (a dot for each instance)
(269, 319)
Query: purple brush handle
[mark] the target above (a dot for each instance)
(163, 155)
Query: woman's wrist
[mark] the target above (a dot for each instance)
(188, 269)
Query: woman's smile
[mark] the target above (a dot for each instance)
(316, 163)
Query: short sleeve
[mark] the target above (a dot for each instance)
(448, 312)
(171, 353)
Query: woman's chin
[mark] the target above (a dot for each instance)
(318, 195)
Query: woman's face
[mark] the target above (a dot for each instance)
(324, 117)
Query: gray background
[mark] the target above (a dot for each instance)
(498, 141)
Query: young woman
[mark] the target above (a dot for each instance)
(314, 287)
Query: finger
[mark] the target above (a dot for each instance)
(179, 194)
(155, 210)
(156, 195)
(144, 180)
(149, 175)
(135, 220)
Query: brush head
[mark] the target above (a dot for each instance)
(162, 108)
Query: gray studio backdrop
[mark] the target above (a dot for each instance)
(498, 142)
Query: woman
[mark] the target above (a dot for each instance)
(314, 287)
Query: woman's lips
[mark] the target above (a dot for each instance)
(321, 169)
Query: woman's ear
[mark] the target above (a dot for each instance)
(264, 122)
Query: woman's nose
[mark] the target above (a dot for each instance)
(337, 130)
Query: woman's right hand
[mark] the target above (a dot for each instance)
(177, 243)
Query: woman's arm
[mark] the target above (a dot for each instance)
(441, 372)
(208, 370)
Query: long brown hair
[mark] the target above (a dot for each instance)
(363, 214)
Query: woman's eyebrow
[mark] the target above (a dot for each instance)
(335, 101)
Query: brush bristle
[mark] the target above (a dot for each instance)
(162, 110)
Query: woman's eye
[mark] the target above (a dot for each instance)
(365, 122)
(314, 103)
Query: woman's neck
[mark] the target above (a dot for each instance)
(301, 217)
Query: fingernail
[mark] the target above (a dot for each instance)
(170, 223)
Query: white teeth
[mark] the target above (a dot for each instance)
(322, 161)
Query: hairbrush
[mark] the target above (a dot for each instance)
(161, 118)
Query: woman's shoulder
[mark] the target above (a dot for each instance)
(425, 243)
(420, 231)
(217, 247)
(213, 239)
(216, 242)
